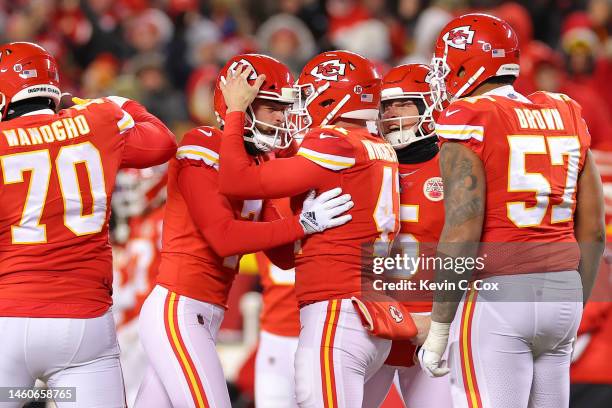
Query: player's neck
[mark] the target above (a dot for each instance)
(484, 88)
(21, 108)
(418, 152)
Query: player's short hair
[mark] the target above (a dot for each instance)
(501, 80)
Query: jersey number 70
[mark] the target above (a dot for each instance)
(30, 230)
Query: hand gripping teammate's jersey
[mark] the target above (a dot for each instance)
(206, 233)
(58, 174)
(533, 150)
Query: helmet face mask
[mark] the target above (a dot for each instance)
(266, 136)
(410, 128)
(437, 83)
(402, 124)
(305, 95)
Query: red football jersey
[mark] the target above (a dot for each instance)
(200, 229)
(138, 265)
(533, 150)
(280, 314)
(422, 219)
(329, 265)
(58, 173)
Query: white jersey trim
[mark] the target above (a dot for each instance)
(195, 152)
(329, 161)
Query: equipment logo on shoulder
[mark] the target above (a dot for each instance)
(205, 133)
(433, 189)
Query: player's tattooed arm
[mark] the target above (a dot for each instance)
(464, 184)
(589, 224)
(464, 203)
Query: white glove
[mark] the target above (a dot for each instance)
(325, 211)
(430, 353)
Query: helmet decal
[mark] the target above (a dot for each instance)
(459, 37)
(329, 70)
(232, 68)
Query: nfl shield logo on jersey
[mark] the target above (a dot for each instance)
(396, 314)
(433, 189)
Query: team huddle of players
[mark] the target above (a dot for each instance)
(296, 170)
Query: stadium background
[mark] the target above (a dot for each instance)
(166, 54)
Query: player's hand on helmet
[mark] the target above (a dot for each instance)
(430, 353)
(237, 92)
(328, 210)
(422, 323)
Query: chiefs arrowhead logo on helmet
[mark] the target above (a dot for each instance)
(396, 314)
(459, 37)
(329, 70)
(253, 76)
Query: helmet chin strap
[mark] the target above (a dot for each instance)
(469, 83)
(333, 112)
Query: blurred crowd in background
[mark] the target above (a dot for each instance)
(166, 53)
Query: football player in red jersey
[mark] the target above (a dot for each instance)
(519, 178)
(278, 339)
(280, 326)
(204, 236)
(58, 173)
(339, 92)
(138, 202)
(407, 122)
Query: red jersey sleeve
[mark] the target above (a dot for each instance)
(239, 177)
(147, 141)
(327, 148)
(212, 212)
(461, 122)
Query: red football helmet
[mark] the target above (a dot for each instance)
(26, 71)
(408, 81)
(278, 87)
(471, 49)
(336, 84)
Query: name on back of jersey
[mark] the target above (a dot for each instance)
(380, 151)
(57, 131)
(541, 119)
